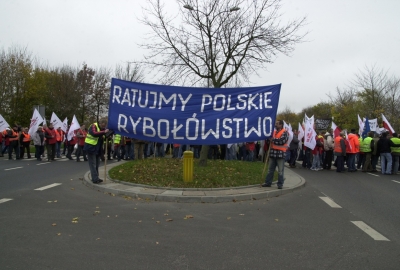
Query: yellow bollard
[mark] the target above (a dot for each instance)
(187, 166)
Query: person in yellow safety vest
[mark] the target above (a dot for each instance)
(395, 153)
(367, 147)
(25, 143)
(118, 144)
(94, 147)
(279, 145)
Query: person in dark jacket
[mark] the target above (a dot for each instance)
(384, 145)
(293, 147)
(94, 147)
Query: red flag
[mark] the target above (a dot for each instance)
(335, 130)
(387, 125)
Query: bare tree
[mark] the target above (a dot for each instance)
(216, 41)
(100, 94)
(130, 72)
(372, 86)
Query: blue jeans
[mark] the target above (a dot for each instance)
(273, 162)
(316, 163)
(386, 168)
(58, 149)
(351, 162)
(94, 161)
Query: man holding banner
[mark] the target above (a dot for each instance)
(279, 145)
(93, 147)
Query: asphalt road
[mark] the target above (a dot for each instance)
(69, 226)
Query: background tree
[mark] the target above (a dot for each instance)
(129, 72)
(216, 41)
(100, 95)
(84, 89)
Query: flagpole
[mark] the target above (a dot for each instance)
(105, 161)
(266, 159)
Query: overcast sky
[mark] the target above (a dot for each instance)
(345, 36)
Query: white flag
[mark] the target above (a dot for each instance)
(301, 133)
(373, 124)
(64, 126)
(309, 134)
(74, 126)
(36, 120)
(55, 121)
(360, 125)
(289, 131)
(3, 124)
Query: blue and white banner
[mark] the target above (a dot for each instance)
(191, 115)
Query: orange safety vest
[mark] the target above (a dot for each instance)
(27, 137)
(14, 134)
(277, 136)
(338, 147)
(58, 135)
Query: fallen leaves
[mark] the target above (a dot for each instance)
(54, 224)
(228, 218)
(75, 220)
(276, 220)
(169, 220)
(188, 217)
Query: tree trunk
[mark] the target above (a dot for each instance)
(204, 155)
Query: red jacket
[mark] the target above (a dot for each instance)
(50, 135)
(81, 135)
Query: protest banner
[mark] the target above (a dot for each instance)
(322, 124)
(192, 115)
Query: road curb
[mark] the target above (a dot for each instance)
(293, 182)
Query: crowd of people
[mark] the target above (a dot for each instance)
(16, 143)
(351, 149)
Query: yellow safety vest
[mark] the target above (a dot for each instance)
(395, 141)
(91, 139)
(117, 139)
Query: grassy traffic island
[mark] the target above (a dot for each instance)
(168, 172)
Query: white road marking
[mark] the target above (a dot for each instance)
(396, 181)
(371, 232)
(373, 174)
(5, 200)
(49, 186)
(42, 163)
(13, 168)
(330, 202)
